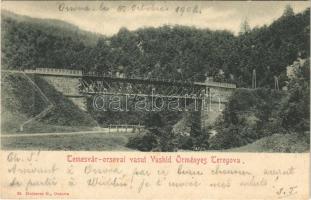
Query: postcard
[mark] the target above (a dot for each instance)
(155, 100)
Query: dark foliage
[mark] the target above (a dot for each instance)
(174, 52)
(143, 142)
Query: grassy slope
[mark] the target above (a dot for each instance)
(17, 102)
(276, 143)
(20, 101)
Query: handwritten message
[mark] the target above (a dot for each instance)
(153, 175)
(128, 8)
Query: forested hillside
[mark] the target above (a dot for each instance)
(169, 51)
(186, 53)
(29, 42)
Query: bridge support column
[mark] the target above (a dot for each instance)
(196, 125)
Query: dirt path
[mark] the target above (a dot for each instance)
(105, 130)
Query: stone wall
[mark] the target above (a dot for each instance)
(214, 104)
(68, 86)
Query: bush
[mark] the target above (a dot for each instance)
(143, 142)
(249, 116)
(185, 142)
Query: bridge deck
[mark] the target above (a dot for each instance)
(147, 80)
(146, 95)
(133, 79)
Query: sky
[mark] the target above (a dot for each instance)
(109, 16)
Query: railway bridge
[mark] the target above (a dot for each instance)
(209, 98)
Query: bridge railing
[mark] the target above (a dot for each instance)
(55, 71)
(133, 77)
(124, 128)
(221, 84)
(187, 81)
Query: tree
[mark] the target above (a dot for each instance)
(288, 11)
(245, 27)
(295, 112)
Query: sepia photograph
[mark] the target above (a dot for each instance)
(155, 76)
